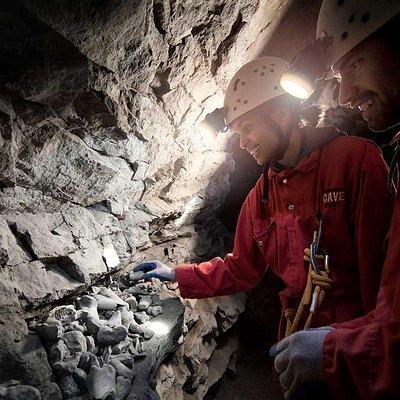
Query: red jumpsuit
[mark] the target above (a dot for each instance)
(344, 180)
(362, 357)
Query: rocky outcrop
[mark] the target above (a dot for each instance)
(102, 164)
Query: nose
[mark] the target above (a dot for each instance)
(348, 91)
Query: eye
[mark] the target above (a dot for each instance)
(354, 66)
(247, 128)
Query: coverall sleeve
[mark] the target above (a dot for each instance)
(363, 363)
(371, 211)
(239, 271)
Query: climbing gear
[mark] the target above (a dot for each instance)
(318, 282)
(255, 83)
(393, 181)
(342, 25)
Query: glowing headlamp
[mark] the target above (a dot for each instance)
(213, 123)
(304, 70)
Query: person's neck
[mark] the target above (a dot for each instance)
(291, 156)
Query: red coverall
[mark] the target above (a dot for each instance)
(362, 357)
(345, 180)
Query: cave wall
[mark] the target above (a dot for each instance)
(102, 162)
(101, 156)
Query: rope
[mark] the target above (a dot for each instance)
(313, 295)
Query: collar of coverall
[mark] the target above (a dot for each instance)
(312, 139)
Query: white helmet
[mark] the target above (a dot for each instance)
(346, 23)
(255, 83)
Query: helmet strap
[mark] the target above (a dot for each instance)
(284, 140)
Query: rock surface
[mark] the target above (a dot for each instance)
(102, 164)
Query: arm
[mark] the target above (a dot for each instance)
(364, 362)
(238, 271)
(372, 207)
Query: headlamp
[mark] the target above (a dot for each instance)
(304, 70)
(213, 123)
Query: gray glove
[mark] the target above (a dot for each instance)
(299, 358)
(156, 269)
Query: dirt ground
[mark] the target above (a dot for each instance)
(254, 379)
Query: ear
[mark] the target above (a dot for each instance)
(283, 117)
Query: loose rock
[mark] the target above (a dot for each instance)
(154, 311)
(141, 317)
(105, 303)
(141, 330)
(123, 387)
(102, 382)
(75, 342)
(110, 336)
(19, 392)
(68, 387)
(144, 303)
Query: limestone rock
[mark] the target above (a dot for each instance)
(102, 164)
(102, 382)
(141, 317)
(69, 387)
(20, 392)
(66, 367)
(50, 331)
(58, 351)
(144, 303)
(64, 314)
(35, 231)
(80, 377)
(141, 330)
(123, 387)
(105, 303)
(121, 369)
(10, 251)
(111, 336)
(75, 342)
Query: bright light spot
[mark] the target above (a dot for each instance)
(206, 133)
(159, 328)
(110, 257)
(296, 85)
(193, 205)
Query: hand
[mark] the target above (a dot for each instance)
(299, 358)
(307, 255)
(156, 269)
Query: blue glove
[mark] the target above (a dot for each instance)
(299, 358)
(156, 269)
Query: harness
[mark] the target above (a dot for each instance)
(318, 282)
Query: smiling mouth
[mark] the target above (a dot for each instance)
(366, 104)
(254, 152)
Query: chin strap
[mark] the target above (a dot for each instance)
(283, 141)
(283, 144)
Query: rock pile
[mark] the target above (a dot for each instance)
(108, 343)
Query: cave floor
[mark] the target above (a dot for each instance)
(254, 379)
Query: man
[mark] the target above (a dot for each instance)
(314, 174)
(360, 358)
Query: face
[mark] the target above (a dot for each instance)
(370, 80)
(257, 135)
